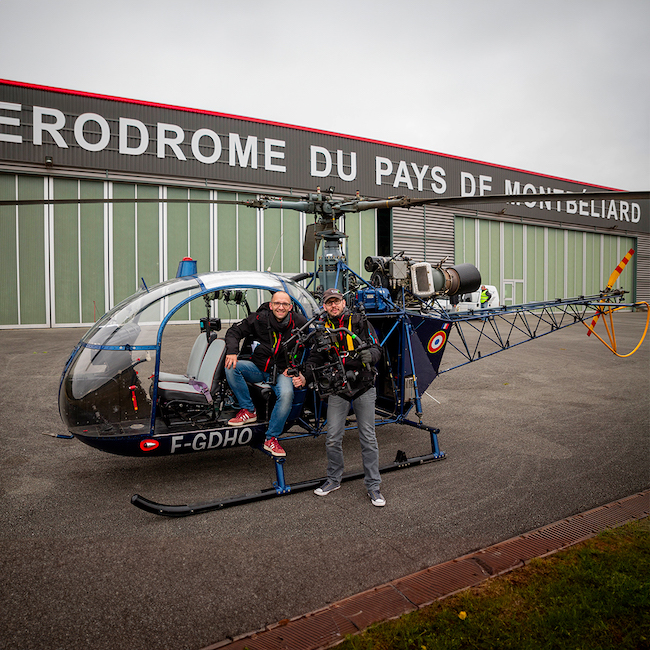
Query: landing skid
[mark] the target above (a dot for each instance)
(280, 488)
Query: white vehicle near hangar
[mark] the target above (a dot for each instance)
(472, 301)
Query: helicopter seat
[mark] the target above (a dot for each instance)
(200, 390)
(193, 363)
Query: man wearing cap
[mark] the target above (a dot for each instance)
(270, 326)
(358, 391)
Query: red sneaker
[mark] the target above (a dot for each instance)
(242, 418)
(273, 447)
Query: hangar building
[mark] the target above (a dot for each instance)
(65, 265)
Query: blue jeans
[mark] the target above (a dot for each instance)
(364, 409)
(283, 389)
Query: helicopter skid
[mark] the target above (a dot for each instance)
(280, 488)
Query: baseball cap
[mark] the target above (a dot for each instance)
(332, 293)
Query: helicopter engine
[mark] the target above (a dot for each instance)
(421, 279)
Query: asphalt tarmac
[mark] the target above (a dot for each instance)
(537, 433)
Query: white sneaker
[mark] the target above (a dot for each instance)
(376, 498)
(326, 488)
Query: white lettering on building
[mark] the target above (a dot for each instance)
(603, 209)
(216, 146)
(419, 174)
(402, 176)
(52, 128)
(271, 154)
(239, 156)
(124, 147)
(320, 156)
(384, 169)
(340, 169)
(92, 132)
(439, 185)
(80, 136)
(172, 141)
(10, 121)
(468, 184)
(321, 163)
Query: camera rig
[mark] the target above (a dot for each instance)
(331, 377)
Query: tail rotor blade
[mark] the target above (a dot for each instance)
(619, 269)
(611, 282)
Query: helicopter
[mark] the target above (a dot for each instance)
(115, 396)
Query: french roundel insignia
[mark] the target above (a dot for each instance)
(436, 342)
(149, 445)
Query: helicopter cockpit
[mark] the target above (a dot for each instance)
(110, 385)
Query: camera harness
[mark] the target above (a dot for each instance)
(343, 345)
(344, 338)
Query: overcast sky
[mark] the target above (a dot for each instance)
(559, 87)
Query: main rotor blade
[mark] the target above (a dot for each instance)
(356, 205)
(134, 200)
(408, 202)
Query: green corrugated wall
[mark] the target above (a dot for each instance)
(533, 263)
(67, 264)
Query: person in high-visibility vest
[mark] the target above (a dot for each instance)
(485, 296)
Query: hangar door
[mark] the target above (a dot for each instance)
(67, 264)
(529, 263)
(23, 253)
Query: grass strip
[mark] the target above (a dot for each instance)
(593, 596)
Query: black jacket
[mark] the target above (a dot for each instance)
(364, 376)
(263, 327)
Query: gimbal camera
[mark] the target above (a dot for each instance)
(332, 377)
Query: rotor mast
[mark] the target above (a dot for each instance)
(327, 211)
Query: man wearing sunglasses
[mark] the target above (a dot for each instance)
(269, 327)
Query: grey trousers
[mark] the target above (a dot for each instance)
(364, 409)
